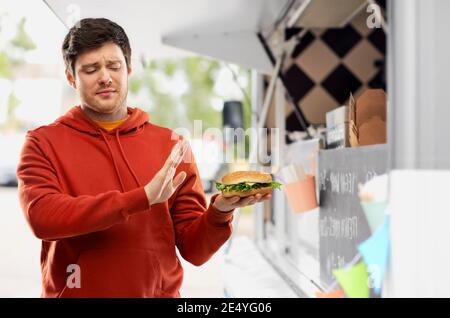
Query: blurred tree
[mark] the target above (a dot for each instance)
(180, 108)
(201, 74)
(22, 40)
(5, 65)
(163, 106)
(12, 57)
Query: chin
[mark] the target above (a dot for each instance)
(105, 107)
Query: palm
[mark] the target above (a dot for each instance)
(163, 185)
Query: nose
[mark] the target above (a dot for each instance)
(104, 77)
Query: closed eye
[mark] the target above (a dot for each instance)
(90, 70)
(115, 66)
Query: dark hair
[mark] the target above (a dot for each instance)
(92, 33)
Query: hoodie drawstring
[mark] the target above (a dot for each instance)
(77, 119)
(126, 160)
(114, 161)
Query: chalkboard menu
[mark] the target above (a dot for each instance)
(342, 224)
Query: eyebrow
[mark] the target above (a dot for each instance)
(96, 63)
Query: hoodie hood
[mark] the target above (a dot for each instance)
(76, 119)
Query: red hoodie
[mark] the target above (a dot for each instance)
(81, 189)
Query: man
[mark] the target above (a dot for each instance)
(110, 194)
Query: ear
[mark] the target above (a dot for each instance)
(70, 78)
(129, 70)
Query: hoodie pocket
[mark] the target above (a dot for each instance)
(117, 273)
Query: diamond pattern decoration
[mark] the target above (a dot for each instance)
(378, 81)
(298, 83)
(378, 39)
(317, 61)
(341, 41)
(292, 123)
(330, 63)
(361, 60)
(316, 104)
(306, 40)
(340, 83)
(359, 23)
(381, 3)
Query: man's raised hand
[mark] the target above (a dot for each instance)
(163, 184)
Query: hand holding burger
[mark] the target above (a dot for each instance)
(242, 188)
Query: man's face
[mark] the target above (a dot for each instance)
(101, 78)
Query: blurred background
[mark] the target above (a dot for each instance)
(34, 92)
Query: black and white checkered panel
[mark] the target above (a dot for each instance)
(328, 64)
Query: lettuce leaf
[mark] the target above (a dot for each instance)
(245, 186)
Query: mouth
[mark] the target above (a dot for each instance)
(106, 92)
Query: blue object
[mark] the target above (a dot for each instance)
(375, 252)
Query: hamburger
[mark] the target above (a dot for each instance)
(246, 183)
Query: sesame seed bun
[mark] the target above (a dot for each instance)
(247, 176)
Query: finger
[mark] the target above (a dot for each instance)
(168, 177)
(179, 179)
(172, 156)
(265, 197)
(172, 186)
(236, 198)
(246, 201)
(232, 200)
(179, 154)
(173, 159)
(167, 186)
(227, 203)
(184, 148)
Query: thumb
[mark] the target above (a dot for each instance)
(179, 179)
(232, 199)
